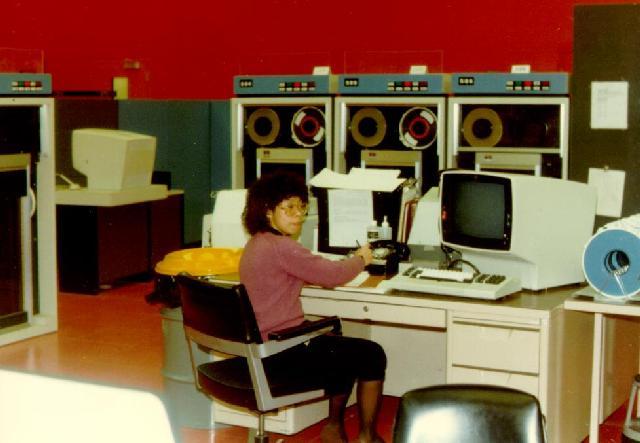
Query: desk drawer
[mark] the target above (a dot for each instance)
(494, 347)
(527, 383)
(378, 312)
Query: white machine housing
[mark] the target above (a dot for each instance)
(223, 228)
(113, 159)
(551, 221)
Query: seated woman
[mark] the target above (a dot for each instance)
(274, 267)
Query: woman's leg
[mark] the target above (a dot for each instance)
(369, 400)
(334, 431)
(343, 360)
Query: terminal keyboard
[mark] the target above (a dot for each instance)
(453, 282)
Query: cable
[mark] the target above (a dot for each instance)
(448, 252)
(451, 264)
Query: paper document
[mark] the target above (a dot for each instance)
(350, 212)
(355, 285)
(425, 227)
(609, 105)
(610, 186)
(358, 280)
(383, 180)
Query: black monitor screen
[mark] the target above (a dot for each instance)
(476, 211)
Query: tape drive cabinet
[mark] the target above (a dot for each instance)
(391, 121)
(511, 122)
(280, 122)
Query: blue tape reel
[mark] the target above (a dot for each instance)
(611, 263)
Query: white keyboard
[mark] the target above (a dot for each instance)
(452, 282)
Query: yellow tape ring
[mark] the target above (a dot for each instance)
(482, 127)
(368, 127)
(263, 126)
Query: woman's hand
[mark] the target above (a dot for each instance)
(365, 253)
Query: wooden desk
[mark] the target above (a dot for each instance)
(611, 348)
(526, 341)
(98, 245)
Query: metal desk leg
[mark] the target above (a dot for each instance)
(596, 378)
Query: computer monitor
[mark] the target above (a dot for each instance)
(534, 228)
(113, 159)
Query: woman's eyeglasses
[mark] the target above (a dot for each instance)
(293, 209)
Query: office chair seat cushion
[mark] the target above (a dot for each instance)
(230, 381)
(468, 414)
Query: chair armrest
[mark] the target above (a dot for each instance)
(307, 327)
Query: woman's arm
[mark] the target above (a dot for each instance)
(317, 270)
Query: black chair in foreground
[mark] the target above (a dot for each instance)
(469, 414)
(220, 318)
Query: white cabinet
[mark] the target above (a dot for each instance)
(483, 350)
(544, 355)
(27, 127)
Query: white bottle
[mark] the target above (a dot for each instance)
(385, 230)
(373, 231)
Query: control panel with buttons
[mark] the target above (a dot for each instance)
(550, 83)
(274, 85)
(392, 84)
(12, 83)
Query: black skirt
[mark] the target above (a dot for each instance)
(335, 361)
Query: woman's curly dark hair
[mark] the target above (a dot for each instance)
(268, 192)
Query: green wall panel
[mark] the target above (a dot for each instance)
(183, 131)
(220, 145)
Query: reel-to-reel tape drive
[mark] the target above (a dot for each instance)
(514, 122)
(281, 122)
(391, 121)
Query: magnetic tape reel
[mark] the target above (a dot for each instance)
(368, 127)
(418, 128)
(308, 126)
(482, 127)
(263, 126)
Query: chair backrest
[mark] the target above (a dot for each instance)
(217, 310)
(469, 414)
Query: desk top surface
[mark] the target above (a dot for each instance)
(599, 306)
(529, 304)
(127, 196)
(532, 304)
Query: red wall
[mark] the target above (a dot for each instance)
(192, 49)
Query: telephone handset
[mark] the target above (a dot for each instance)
(382, 248)
(387, 254)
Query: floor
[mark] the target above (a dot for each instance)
(116, 338)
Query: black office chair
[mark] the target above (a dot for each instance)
(469, 414)
(220, 318)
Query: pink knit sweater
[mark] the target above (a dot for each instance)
(274, 268)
